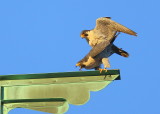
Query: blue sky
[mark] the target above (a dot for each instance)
(41, 36)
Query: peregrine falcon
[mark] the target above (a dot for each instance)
(104, 30)
(96, 57)
(101, 39)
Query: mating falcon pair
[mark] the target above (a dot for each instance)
(101, 40)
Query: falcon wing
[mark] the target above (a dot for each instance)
(96, 50)
(105, 24)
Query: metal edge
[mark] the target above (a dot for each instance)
(58, 75)
(34, 100)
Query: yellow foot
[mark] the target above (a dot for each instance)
(100, 70)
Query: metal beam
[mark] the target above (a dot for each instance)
(51, 92)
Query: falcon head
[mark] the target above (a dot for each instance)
(84, 33)
(80, 64)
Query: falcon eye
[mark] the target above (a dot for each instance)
(86, 34)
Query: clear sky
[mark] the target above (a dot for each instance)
(41, 36)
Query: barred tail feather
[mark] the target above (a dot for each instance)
(119, 51)
(123, 53)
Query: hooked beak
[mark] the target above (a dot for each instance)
(78, 64)
(82, 35)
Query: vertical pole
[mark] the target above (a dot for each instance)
(1, 105)
(2, 111)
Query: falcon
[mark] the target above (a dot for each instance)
(93, 60)
(101, 40)
(104, 30)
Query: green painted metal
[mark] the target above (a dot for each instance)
(34, 100)
(51, 92)
(1, 98)
(58, 75)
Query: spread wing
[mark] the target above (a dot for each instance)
(107, 25)
(96, 50)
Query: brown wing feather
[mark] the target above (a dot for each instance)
(96, 50)
(102, 23)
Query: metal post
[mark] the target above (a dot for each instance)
(1, 98)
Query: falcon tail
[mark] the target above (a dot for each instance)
(119, 51)
(123, 53)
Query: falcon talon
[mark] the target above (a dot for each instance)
(101, 70)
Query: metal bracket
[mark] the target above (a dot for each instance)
(51, 92)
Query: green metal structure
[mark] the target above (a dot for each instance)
(51, 92)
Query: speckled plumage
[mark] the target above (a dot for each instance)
(101, 40)
(105, 29)
(99, 54)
